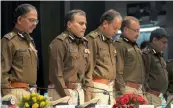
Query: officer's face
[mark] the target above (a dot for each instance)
(78, 25)
(28, 22)
(132, 32)
(161, 44)
(112, 28)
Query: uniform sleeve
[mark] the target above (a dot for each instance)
(7, 52)
(120, 83)
(56, 56)
(147, 63)
(89, 83)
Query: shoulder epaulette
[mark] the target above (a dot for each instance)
(118, 40)
(93, 34)
(62, 36)
(10, 35)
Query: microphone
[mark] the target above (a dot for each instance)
(105, 92)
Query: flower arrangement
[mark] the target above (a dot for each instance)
(129, 101)
(34, 101)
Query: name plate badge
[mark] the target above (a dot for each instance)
(103, 106)
(146, 106)
(65, 106)
(171, 105)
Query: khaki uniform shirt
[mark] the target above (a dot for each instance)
(156, 73)
(69, 62)
(130, 64)
(18, 59)
(170, 74)
(103, 55)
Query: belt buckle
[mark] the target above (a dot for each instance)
(32, 88)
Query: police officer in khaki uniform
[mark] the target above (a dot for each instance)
(69, 60)
(103, 55)
(170, 77)
(130, 71)
(18, 53)
(156, 82)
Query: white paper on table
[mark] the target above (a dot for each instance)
(103, 106)
(65, 106)
(146, 106)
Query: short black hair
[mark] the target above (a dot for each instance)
(127, 21)
(109, 16)
(70, 15)
(144, 44)
(158, 34)
(21, 10)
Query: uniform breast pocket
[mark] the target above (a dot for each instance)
(157, 64)
(86, 58)
(105, 56)
(73, 58)
(23, 57)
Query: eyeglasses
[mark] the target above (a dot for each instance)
(32, 20)
(135, 30)
(163, 42)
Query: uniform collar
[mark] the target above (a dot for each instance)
(22, 35)
(103, 37)
(155, 51)
(75, 39)
(127, 40)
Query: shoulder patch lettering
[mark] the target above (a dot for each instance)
(62, 36)
(93, 34)
(10, 35)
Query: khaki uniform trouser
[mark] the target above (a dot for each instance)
(154, 100)
(131, 90)
(73, 94)
(99, 93)
(19, 93)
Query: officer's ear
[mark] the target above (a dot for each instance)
(19, 19)
(154, 40)
(69, 24)
(125, 28)
(105, 23)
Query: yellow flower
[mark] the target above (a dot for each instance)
(47, 102)
(33, 94)
(26, 97)
(35, 105)
(26, 105)
(34, 99)
(41, 97)
(42, 104)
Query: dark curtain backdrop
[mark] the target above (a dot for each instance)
(51, 24)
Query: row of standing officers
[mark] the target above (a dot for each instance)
(87, 66)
